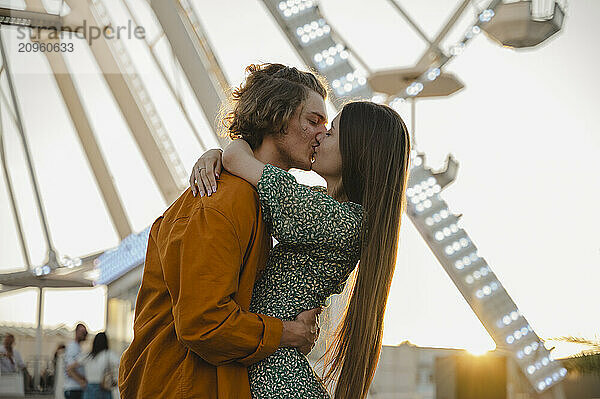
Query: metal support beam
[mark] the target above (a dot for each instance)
(410, 21)
(137, 109)
(51, 253)
(86, 136)
(11, 194)
(29, 18)
(451, 21)
(26, 279)
(38, 339)
(88, 141)
(213, 65)
(433, 53)
(6, 288)
(151, 44)
(195, 56)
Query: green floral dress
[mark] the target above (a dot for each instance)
(318, 247)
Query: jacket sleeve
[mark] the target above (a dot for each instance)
(203, 261)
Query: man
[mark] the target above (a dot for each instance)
(75, 382)
(193, 333)
(11, 361)
(10, 358)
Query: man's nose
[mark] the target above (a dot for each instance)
(319, 136)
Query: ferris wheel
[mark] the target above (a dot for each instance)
(517, 24)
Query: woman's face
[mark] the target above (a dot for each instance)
(327, 156)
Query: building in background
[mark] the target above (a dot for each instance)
(408, 371)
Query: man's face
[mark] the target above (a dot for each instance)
(9, 340)
(309, 120)
(81, 334)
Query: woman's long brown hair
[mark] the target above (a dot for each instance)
(375, 148)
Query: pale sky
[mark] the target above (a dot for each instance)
(524, 130)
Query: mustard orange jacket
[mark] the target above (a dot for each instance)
(193, 334)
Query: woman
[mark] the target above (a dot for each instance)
(321, 237)
(97, 363)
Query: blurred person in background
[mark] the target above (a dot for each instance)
(97, 364)
(12, 362)
(60, 351)
(48, 377)
(10, 358)
(75, 379)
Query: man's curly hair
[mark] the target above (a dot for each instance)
(267, 99)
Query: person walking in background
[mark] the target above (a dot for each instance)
(75, 381)
(58, 380)
(11, 361)
(10, 358)
(52, 379)
(97, 364)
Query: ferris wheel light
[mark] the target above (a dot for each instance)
(541, 385)
(563, 371)
(433, 73)
(486, 15)
(457, 49)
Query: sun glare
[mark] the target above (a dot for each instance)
(478, 351)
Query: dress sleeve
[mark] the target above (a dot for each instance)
(297, 214)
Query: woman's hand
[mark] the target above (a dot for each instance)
(205, 173)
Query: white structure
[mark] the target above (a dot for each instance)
(407, 372)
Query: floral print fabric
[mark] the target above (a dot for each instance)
(318, 247)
